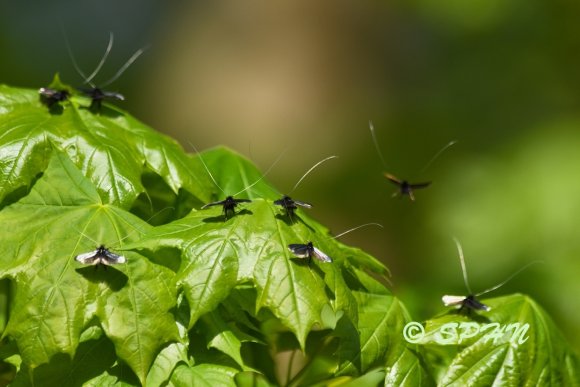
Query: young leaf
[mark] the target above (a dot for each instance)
(112, 149)
(497, 354)
(57, 297)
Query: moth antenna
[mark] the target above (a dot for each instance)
(129, 62)
(463, 268)
(310, 170)
(88, 237)
(509, 278)
(374, 136)
(265, 173)
(103, 59)
(447, 146)
(159, 212)
(206, 168)
(357, 227)
(73, 59)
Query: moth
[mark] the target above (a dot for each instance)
(470, 302)
(405, 188)
(230, 203)
(97, 94)
(100, 256)
(309, 251)
(51, 96)
(291, 205)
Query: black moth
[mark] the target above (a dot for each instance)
(406, 188)
(100, 256)
(308, 251)
(51, 96)
(290, 205)
(229, 205)
(470, 301)
(97, 96)
(465, 302)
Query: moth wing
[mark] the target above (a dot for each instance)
(242, 200)
(474, 304)
(112, 258)
(87, 258)
(113, 95)
(393, 179)
(220, 203)
(321, 256)
(47, 92)
(299, 250)
(452, 300)
(303, 204)
(420, 185)
(280, 202)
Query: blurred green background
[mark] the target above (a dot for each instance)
(500, 77)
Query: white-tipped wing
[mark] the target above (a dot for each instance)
(452, 300)
(321, 256)
(88, 258)
(100, 256)
(112, 259)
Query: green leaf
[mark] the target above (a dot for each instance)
(112, 149)
(57, 297)
(251, 379)
(209, 375)
(166, 361)
(252, 246)
(224, 338)
(533, 352)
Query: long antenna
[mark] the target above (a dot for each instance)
(374, 136)
(72, 58)
(357, 227)
(462, 260)
(206, 168)
(449, 144)
(103, 59)
(88, 237)
(265, 173)
(129, 62)
(509, 278)
(310, 170)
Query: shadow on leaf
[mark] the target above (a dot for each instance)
(223, 218)
(112, 277)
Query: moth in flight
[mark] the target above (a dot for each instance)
(405, 188)
(470, 302)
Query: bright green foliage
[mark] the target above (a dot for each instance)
(202, 299)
